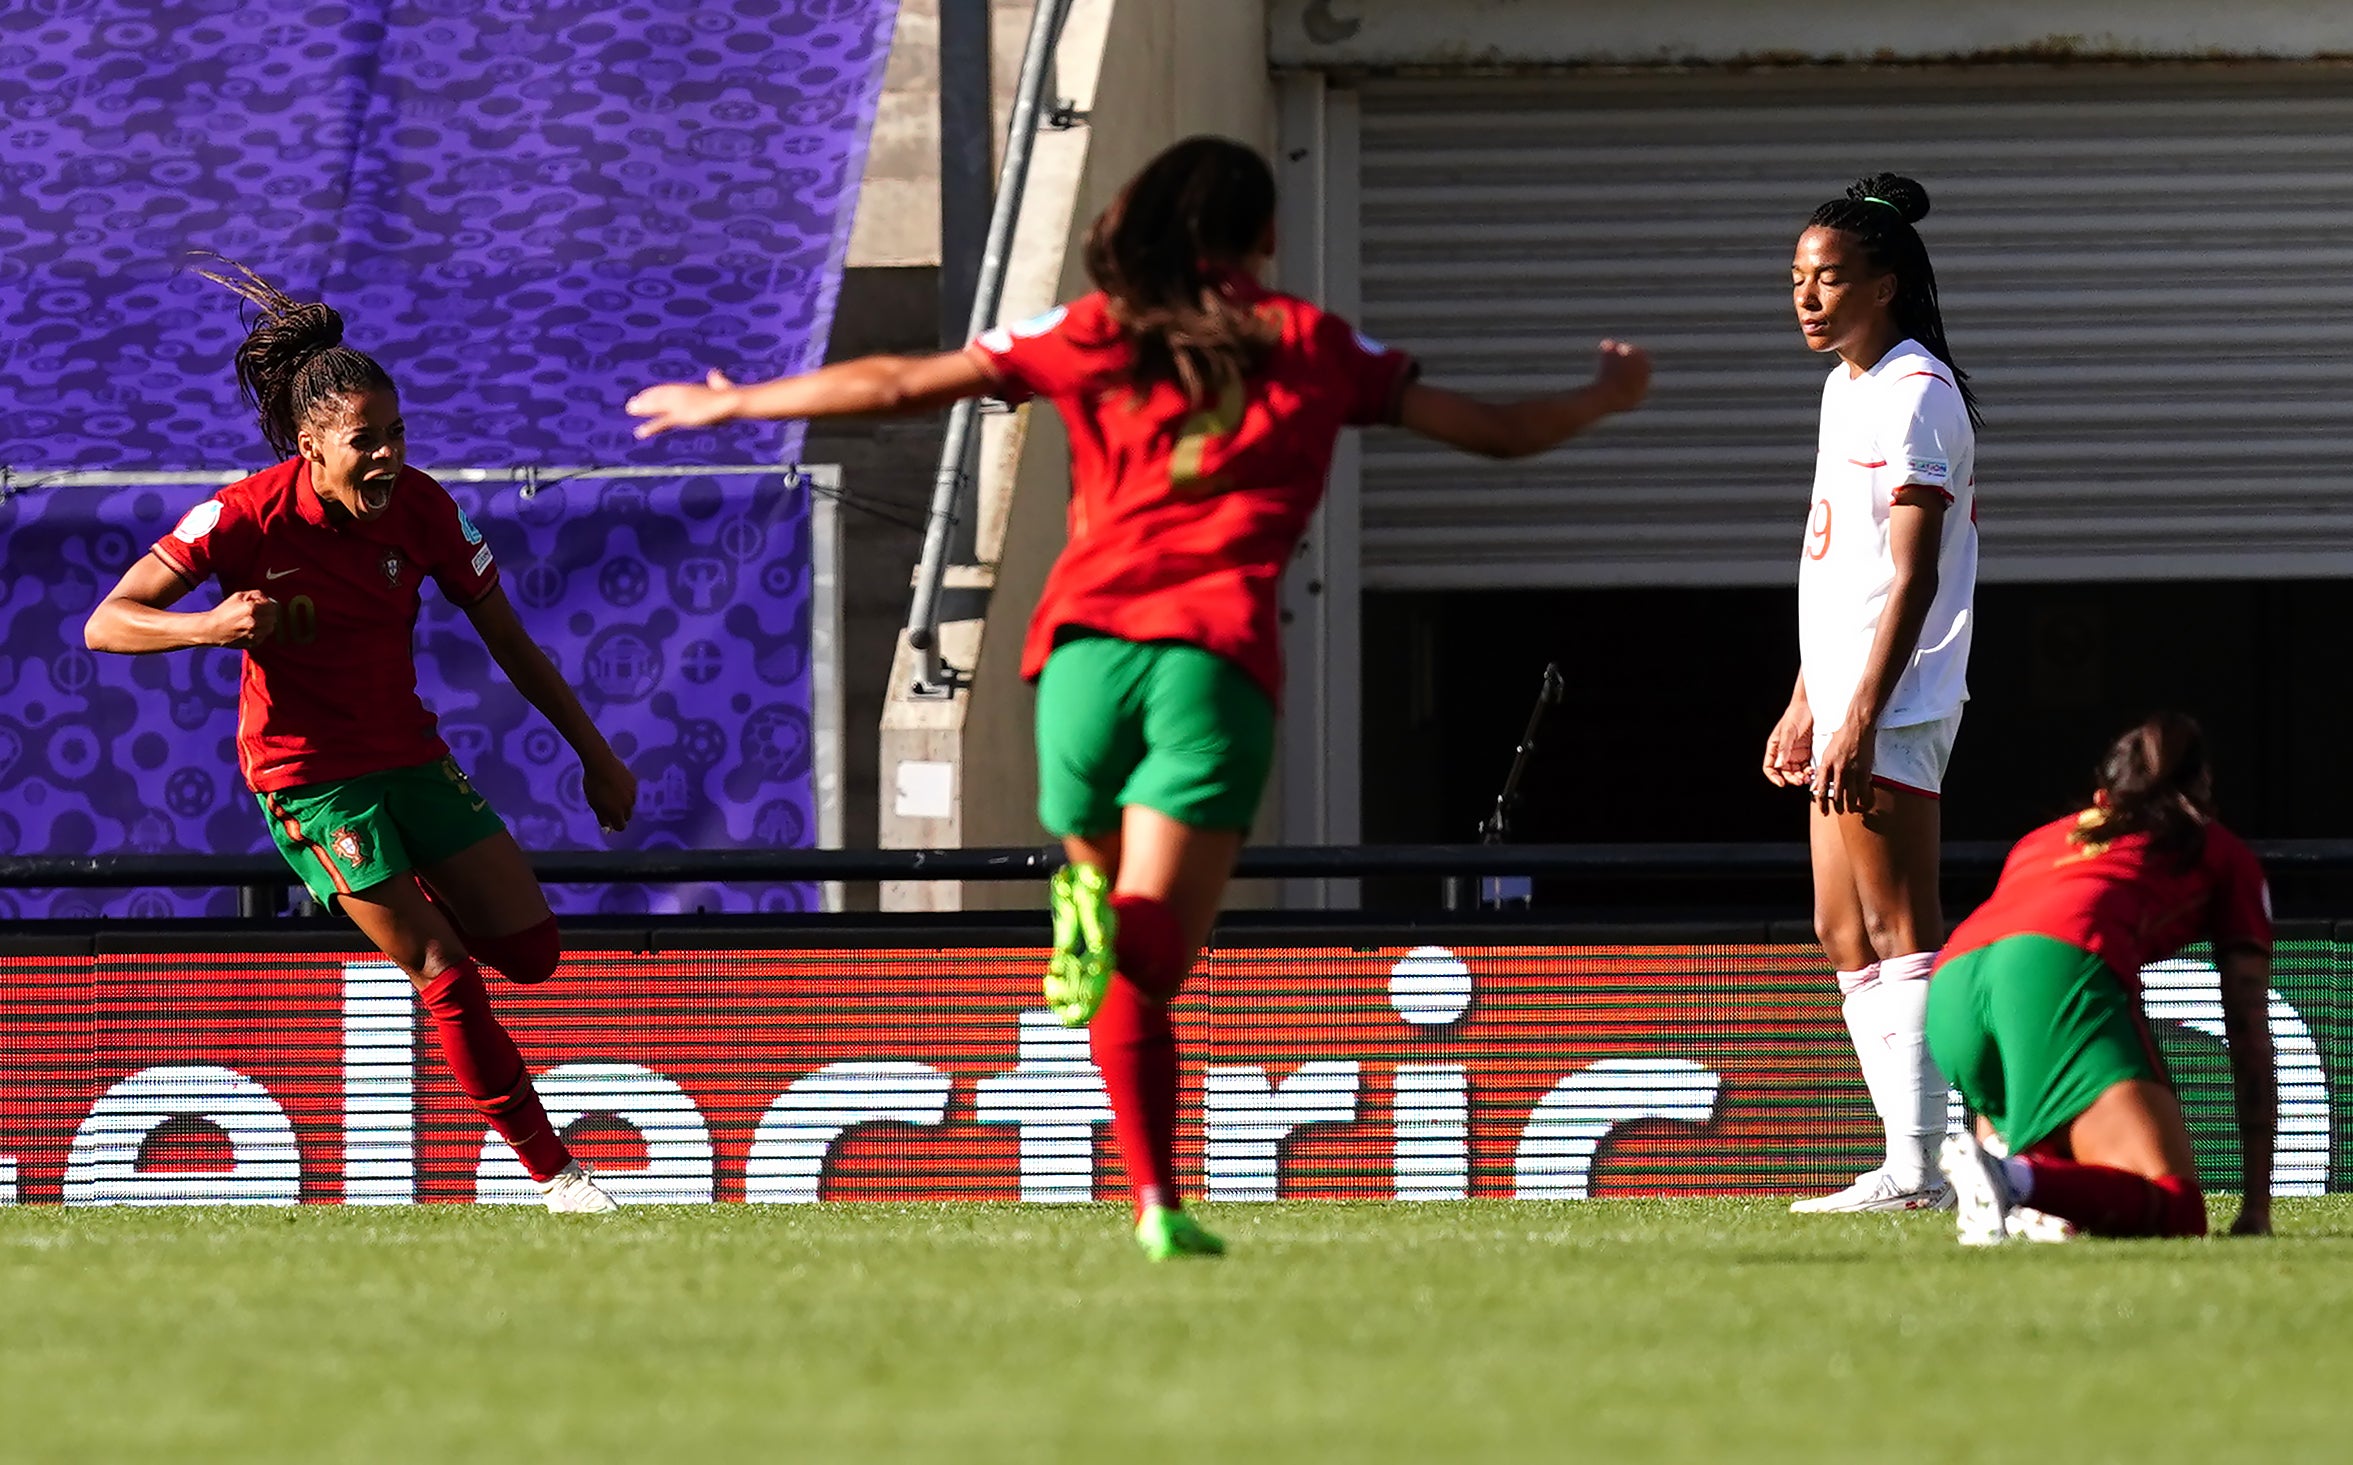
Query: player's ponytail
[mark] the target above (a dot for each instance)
(1879, 211)
(294, 358)
(2155, 780)
(1162, 252)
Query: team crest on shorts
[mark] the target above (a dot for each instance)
(392, 566)
(345, 843)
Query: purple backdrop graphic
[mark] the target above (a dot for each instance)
(677, 607)
(526, 210)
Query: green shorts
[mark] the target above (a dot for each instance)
(2031, 1030)
(1161, 724)
(347, 834)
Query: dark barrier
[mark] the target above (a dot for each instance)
(1364, 1062)
(1689, 860)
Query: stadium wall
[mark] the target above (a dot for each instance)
(1518, 33)
(1506, 176)
(867, 1064)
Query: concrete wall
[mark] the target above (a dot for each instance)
(890, 303)
(1148, 72)
(1418, 33)
(898, 222)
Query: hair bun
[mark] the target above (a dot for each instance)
(314, 325)
(1904, 195)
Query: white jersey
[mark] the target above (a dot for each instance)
(1900, 423)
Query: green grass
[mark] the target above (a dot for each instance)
(1683, 1331)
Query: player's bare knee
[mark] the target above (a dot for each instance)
(437, 956)
(1892, 933)
(1843, 940)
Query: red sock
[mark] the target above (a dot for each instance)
(2185, 1206)
(2107, 1201)
(1136, 1050)
(1151, 949)
(525, 958)
(489, 1068)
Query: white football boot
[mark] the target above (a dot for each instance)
(1876, 1191)
(1982, 1188)
(2028, 1224)
(572, 1193)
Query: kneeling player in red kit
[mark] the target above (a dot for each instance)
(322, 559)
(2034, 1010)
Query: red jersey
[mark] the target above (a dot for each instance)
(333, 692)
(2122, 901)
(1182, 515)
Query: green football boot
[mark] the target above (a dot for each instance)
(1167, 1232)
(1085, 929)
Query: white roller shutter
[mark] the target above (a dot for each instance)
(2148, 273)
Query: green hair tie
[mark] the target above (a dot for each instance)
(1867, 198)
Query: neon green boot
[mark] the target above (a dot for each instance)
(1166, 1232)
(1085, 930)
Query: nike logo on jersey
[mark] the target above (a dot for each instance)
(282, 574)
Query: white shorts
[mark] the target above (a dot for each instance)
(1910, 759)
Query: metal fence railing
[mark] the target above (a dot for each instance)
(950, 489)
(823, 478)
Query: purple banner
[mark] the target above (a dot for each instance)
(525, 209)
(677, 607)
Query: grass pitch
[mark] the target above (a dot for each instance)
(1683, 1331)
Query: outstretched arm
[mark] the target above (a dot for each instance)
(610, 787)
(870, 385)
(136, 617)
(1533, 425)
(2246, 1028)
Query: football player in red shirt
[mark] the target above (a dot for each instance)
(2034, 1010)
(322, 559)
(1202, 411)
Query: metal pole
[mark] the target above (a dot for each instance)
(965, 172)
(989, 289)
(825, 672)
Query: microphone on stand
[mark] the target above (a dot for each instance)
(1500, 892)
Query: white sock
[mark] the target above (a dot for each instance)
(1886, 1020)
(1849, 983)
(1910, 967)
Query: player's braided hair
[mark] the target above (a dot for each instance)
(2152, 782)
(1879, 211)
(1161, 251)
(293, 359)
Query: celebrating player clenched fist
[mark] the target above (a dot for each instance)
(323, 558)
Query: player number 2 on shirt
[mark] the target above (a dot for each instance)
(1193, 439)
